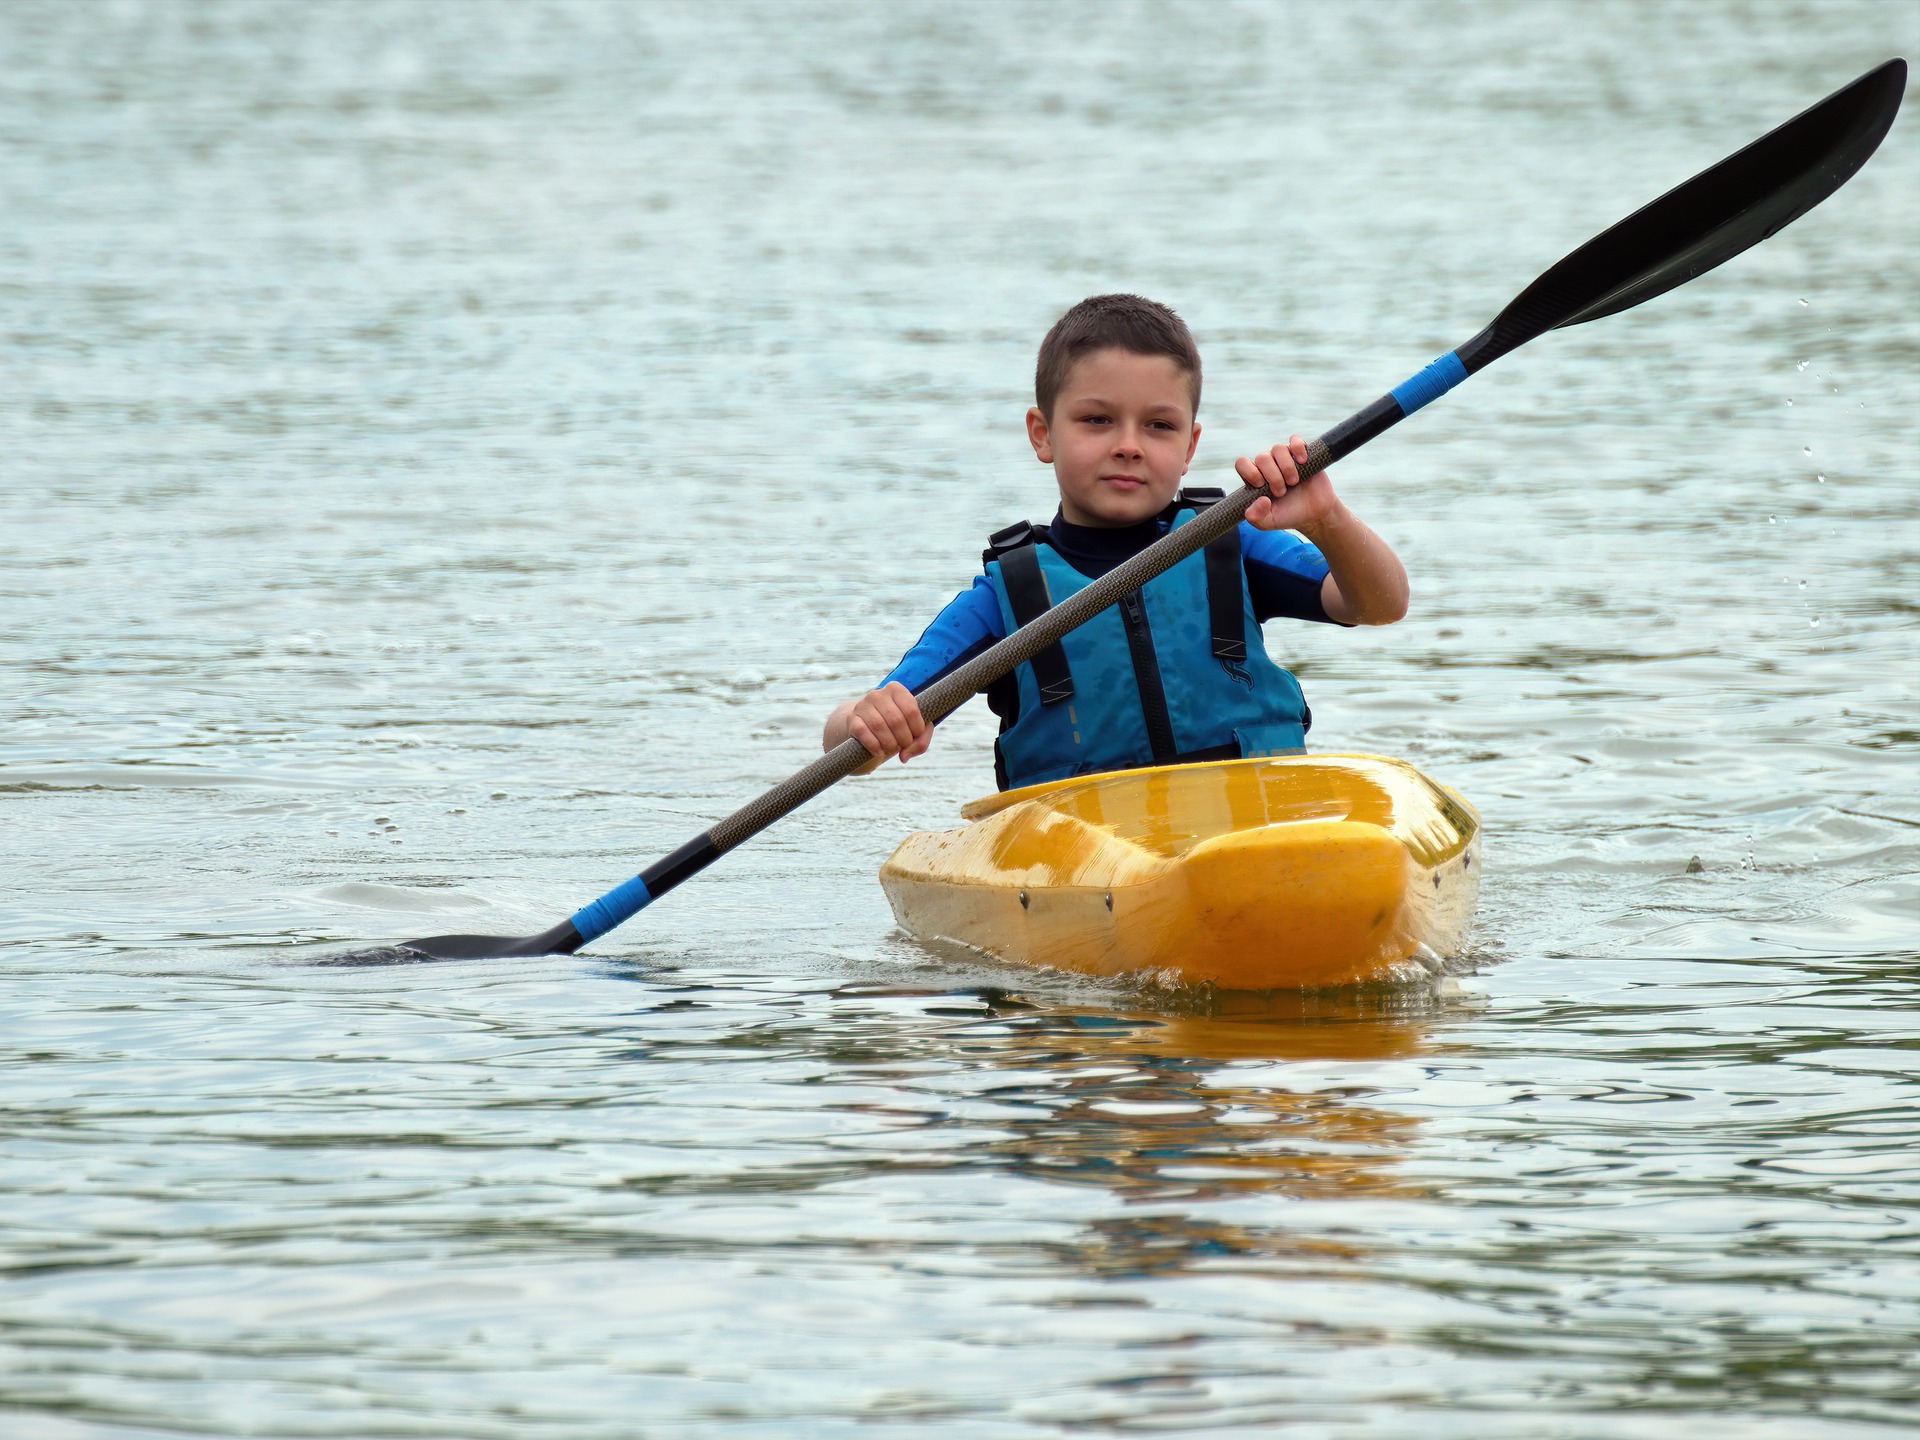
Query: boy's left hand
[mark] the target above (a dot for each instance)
(1296, 504)
(1365, 583)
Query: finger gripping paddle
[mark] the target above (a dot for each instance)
(1685, 233)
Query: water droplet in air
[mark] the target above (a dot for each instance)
(1803, 302)
(1821, 478)
(1803, 584)
(1806, 449)
(1814, 623)
(1789, 404)
(1803, 365)
(1772, 521)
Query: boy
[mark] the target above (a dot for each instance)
(1177, 671)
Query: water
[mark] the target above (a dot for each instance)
(455, 452)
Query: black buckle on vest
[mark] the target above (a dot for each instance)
(1015, 536)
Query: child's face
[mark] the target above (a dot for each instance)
(1120, 437)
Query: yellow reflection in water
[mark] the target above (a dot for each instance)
(1177, 1108)
(1133, 1102)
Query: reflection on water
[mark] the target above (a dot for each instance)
(455, 453)
(1128, 1102)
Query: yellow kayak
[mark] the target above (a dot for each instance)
(1285, 873)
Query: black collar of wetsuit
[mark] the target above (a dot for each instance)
(1093, 550)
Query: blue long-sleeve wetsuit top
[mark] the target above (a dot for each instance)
(1283, 577)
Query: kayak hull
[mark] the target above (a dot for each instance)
(1291, 872)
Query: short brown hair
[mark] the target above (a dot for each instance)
(1116, 322)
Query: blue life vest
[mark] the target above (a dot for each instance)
(1175, 672)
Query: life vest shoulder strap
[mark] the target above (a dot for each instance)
(1224, 617)
(1016, 548)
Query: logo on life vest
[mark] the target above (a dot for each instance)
(1238, 672)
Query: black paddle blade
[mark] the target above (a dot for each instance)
(562, 939)
(1707, 221)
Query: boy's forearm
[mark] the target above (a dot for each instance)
(1371, 581)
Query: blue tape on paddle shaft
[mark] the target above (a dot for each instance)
(1430, 384)
(616, 907)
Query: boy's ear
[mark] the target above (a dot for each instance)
(1039, 436)
(1193, 444)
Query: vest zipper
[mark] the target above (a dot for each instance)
(1146, 674)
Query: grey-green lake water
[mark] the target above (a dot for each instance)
(454, 452)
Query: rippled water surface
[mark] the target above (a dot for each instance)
(454, 452)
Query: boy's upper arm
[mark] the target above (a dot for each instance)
(968, 624)
(1285, 575)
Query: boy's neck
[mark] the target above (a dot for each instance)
(1093, 550)
(1097, 533)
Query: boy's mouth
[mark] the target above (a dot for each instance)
(1124, 482)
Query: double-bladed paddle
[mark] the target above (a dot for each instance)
(1685, 233)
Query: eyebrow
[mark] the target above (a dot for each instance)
(1167, 409)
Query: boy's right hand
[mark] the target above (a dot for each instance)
(887, 721)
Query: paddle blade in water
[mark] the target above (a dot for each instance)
(562, 939)
(1708, 220)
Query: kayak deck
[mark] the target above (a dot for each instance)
(1279, 873)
